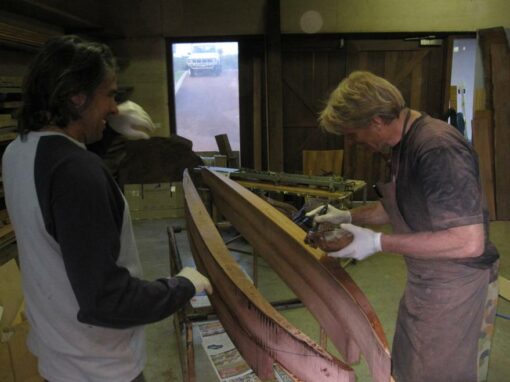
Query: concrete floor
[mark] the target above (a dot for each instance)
(381, 277)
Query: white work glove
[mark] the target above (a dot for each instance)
(366, 242)
(199, 281)
(333, 215)
(132, 121)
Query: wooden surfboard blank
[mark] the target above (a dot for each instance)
(259, 332)
(323, 286)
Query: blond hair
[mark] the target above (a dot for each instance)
(358, 99)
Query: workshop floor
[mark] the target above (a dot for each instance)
(381, 277)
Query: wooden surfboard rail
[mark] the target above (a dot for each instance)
(323, 286)
(261, 334)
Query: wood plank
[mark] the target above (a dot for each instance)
(487, 37)
(479, 100)
(329, 293)
(500, 60)
(453, 97)
(261, 334)
(21, 35)
(483, 143)
(225, 149)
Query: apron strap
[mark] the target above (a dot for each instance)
(404, 128)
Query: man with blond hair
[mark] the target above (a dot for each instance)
(434, 203)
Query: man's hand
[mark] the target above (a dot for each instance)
(199, 281)
(366, 242)
(333, 215)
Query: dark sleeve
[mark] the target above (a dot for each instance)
(87, 214)
(451, 186)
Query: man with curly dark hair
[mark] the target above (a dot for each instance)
(86, 301)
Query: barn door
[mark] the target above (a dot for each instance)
(418, 72)
(312, 68)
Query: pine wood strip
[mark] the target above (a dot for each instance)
(500, 60)
(483, 143)
(253, 324)
(329, 293)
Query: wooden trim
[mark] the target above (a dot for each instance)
(318, 281)
(260, 333)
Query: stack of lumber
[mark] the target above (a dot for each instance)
(10, 102)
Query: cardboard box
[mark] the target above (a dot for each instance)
(17, 364)
(155, 200)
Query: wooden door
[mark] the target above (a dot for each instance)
(417, 71)
(312, 68)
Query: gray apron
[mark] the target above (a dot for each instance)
(440, 314)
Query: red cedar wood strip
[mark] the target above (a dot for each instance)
(500, 59)
(327, 290)
(248, 315)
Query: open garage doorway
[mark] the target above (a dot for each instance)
(206, 91)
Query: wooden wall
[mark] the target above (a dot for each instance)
(375, 16)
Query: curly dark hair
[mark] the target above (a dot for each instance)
(65, 66)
